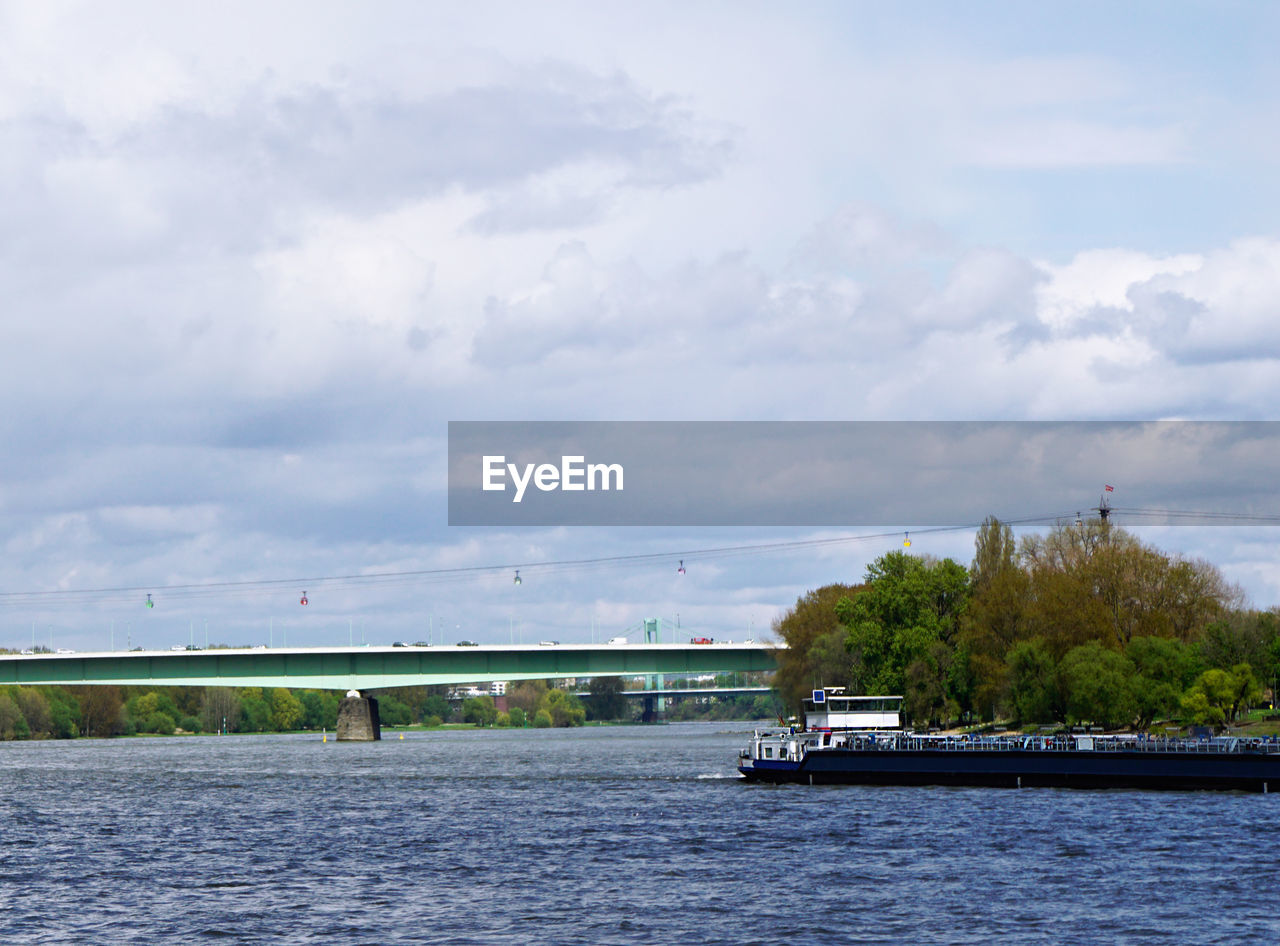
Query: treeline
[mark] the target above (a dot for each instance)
(742, 706)
(1084, 624)
(55, 712)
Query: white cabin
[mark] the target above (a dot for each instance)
(829, 708)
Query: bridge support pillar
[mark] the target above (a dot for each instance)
(358, 718)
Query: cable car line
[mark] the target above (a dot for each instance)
(247, 587)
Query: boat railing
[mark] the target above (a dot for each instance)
(900, 741)
(793, 745)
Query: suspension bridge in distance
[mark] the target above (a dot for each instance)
(374, 668)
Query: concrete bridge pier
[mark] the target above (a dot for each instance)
(358, 718)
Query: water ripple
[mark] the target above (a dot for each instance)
(626, 835)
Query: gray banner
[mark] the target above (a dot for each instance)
(734, 473)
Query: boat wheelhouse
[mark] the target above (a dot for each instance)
(830, 708)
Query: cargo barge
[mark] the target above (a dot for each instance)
(858, 740)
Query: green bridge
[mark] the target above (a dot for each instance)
(373, 668)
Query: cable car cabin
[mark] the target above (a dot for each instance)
(829, 708)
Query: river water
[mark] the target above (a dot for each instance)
(614, 835)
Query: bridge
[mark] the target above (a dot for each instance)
(373, 668)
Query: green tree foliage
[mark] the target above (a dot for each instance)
(1164, 668)
(13, 725)
(996, 618)
(1220, 696)
(909, 605)
(394, 711)
(929, 686)
(35, 709)
(815, 655)
(255, 711)
(564, 708)
(1241, 637)
(1096, 686)
(606, 700)
(518, 717)
(153, 711)
(286, 710)
(542, 720)
(319, 709)
(435, 705)
(1033, 692)
(64, 712)
(479, 710)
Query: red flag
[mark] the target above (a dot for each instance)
(1110, 489)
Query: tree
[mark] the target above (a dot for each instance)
(1220, 695)
(1096, 685)
(606, 700)
(102, 711)
(1246, 689)
(13, 725)
(929, 683)
(286, 710)
(435, 705)
(394, 711)
(1094, 581)
(1164, 669)
(153, 711)
(35, 710)
(1033, 683)
(996, 618)
(1240, 637)
(527, 695)
(479, 710)
(564, 708)
(994, 554)
(517, 716)
(64, 712)
(815, 654)
(219, 705)
(908, 605)
(255, 711)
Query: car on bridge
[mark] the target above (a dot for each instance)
(467, 644)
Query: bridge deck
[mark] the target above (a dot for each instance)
(367, 668)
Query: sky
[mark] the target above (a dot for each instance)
(254, 258)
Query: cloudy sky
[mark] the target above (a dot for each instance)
(253, 259)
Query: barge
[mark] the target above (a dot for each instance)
(858, 740)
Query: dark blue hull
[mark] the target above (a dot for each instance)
(1243, 771)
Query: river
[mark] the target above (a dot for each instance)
(600, 835)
